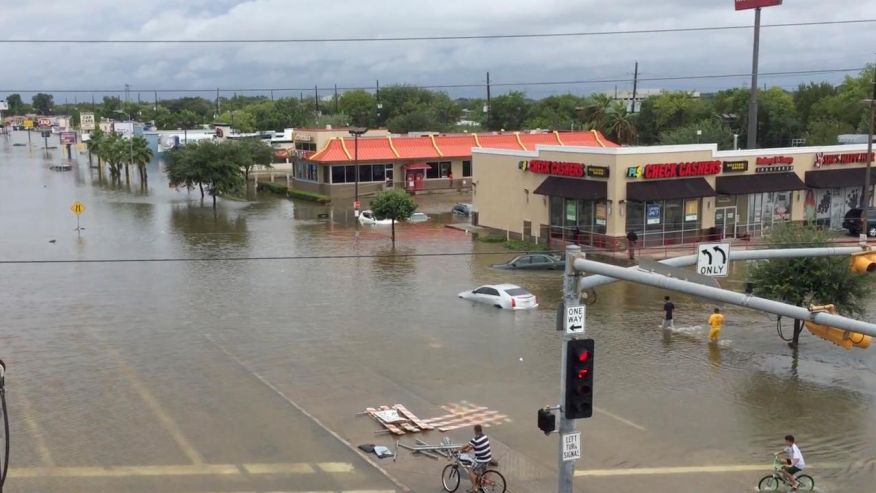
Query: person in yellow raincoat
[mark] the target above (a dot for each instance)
(716, 321)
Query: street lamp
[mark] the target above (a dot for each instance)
(356, 132)
(865, 205)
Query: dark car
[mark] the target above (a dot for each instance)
(852, 221)
(462, 209)
(534, 261)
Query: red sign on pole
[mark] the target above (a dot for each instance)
(753, 4)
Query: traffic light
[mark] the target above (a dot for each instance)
(547, 422)
(863, 262)
(579, 379)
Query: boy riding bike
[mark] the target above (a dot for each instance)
(795, 461)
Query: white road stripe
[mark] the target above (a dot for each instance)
(652, 471)
(34, 428)
(291, 468)
(622, 420)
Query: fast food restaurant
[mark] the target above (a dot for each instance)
(667, 195)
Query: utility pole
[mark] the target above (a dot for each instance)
(635, 85)
(155, 108)
(865, 197)
(316, 99)
(337, 101)
(488, 108)
(752, 97)
(272, 95)
(218, 108)
(379, 104)
(570, 298)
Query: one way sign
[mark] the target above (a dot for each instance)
(575, 319)
(713, 259)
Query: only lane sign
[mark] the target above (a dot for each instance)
(713, 259)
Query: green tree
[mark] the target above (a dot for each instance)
(95, 141)
(809, 280)
(410, 122)
(238, 119)
(618, 124)
(115, 152)
(141, 154)
(252, 152)
(394, 204)
(845, 105)
(807, 95)
(16, 105)
(42, 103)
(677, 109)
(360, 106)
(207, 164)
(825, 132)
(711, 131)
(509, 111)
(777, 121)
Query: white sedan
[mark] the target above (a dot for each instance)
(368, 218)
(507, 296)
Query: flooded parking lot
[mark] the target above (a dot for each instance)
(242, 375)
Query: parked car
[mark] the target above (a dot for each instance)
(852, 221)
(367, 217)
(463, 209)
(418, 217)
(534, 261)
(507, 296)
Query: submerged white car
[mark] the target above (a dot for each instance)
(507, 296)
(367, 217)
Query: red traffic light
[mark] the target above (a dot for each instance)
(584, 356)
(582, 373)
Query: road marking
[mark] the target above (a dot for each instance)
(152, 403)
(306, 413)
(34, 428)
(653, 471)
(622, 420)
(291, 468)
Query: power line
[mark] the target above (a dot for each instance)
(458, 86)
(462, 37)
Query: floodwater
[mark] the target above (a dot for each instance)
(211, 375)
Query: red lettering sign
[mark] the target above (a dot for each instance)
(672, 170)
(851, 158)
(771, 160)
(556, 168)
(753, 4)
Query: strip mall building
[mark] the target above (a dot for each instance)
(325, 160)
(666, 194)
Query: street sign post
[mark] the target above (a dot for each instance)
(572, 446)
(575, 320)
(713, 259)
(77, 208)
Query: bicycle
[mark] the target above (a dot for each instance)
(489, 481)
(772, 482)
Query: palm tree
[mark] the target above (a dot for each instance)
(596, 110)
(115, 152)
(141, 154)
(618, 124)
(95, 142)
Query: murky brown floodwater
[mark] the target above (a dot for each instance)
(84, 341)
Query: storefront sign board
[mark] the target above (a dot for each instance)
(598, 171)
(754, 4)
(822, 159)
(67, 138)
(774, 160)
(735, 166)
(774, 169)
(653, 214)
(674, 170)
(553, 168)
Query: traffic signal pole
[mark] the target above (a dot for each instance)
(566, 426)
(591, 282)
(725, 296)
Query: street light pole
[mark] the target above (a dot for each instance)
(356, 132)
(752, 98)
(865, 198)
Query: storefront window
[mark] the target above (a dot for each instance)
(338, 175)
(665, 222)
(571, 211)
(306, 171)
(438, 170)
(466, 168)
(367, 173)
(579, 221)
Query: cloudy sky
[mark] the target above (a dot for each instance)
(228, 66)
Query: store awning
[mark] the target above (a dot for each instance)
(838, 178)
(687, 188)
(571, 188)
(764, 182)
(413, 166)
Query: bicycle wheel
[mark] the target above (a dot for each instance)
(768, 483)
(450, 478)
(805, 483)
(492, 482)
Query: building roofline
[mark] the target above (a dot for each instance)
(503, 152)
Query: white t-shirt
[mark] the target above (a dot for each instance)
(794, 454)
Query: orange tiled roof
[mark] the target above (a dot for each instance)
(341, 149)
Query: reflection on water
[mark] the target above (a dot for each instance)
(739, 397)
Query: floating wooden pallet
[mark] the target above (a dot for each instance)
(389, 426)
(420, 423)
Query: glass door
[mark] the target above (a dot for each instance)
(725, 221)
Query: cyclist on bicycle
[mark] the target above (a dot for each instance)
(483, 455)
(795, 462)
